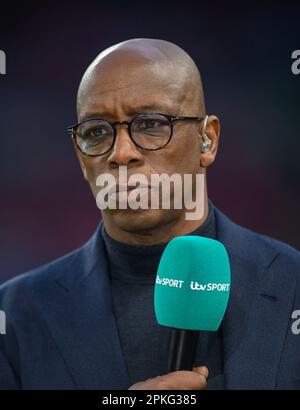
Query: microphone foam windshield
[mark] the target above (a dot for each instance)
(192, 284)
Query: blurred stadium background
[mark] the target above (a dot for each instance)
(244, 55)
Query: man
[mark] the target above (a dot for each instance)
(86, 320)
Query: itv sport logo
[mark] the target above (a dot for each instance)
(210, 287)
(195, 286)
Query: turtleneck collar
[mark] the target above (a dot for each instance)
(139, 263)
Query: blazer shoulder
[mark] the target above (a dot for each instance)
(283, 248)
(64, 271)
(38, 279)
(288, 258)
(283, 252)
(255, 247)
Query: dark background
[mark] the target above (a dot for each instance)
(244, 55)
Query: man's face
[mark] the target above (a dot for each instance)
(122, 87)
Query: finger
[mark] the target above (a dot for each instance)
(184, 380)
(202, 370)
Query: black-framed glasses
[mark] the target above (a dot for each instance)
(149, 131)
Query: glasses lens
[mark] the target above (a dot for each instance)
(151, 131)
(94, 137)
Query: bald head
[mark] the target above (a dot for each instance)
(143, 63)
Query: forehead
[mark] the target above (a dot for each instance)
(118, 88)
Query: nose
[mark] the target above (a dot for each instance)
(124, 151)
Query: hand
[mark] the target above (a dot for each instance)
(179, 380)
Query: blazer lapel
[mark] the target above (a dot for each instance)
(259, 308)
(82, 320)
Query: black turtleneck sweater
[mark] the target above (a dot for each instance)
(144, 342)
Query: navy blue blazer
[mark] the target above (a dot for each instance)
(61, 331)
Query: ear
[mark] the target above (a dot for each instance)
(81, 162)
(213, 133)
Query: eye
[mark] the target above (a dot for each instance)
(150, 123)
(96, 132)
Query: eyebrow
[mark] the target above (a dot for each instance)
(143, 109)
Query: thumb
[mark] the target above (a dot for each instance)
(202, 370)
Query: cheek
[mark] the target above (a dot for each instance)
(94, 167)
(182, 156)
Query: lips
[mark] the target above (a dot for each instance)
(122, 188)
(117, 190)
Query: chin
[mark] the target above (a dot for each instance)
(139, 220)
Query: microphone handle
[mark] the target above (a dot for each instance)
(182, 349)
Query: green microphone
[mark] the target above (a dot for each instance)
(191, 293)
